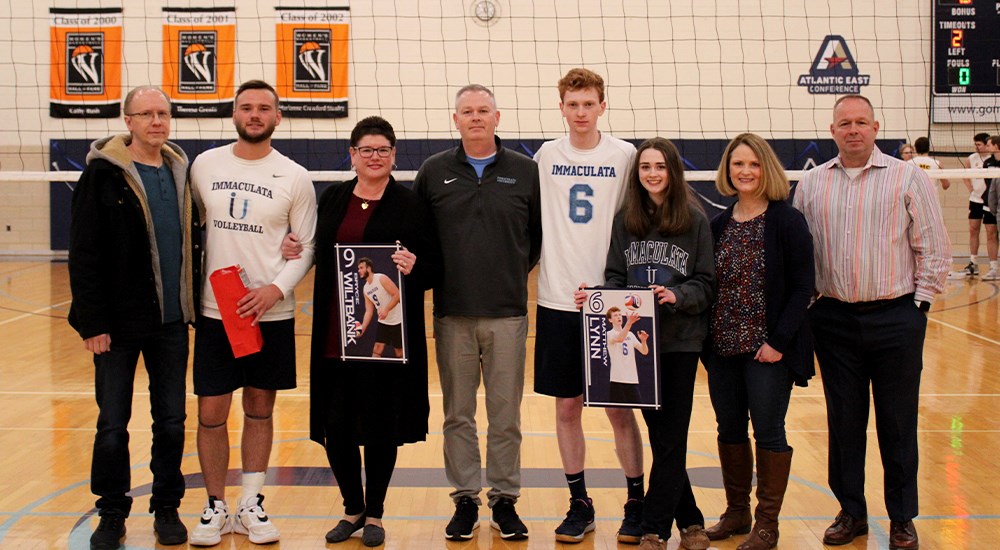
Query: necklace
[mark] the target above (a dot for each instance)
(739, 211)
(365, 203)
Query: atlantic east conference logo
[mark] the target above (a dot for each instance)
(834, 70)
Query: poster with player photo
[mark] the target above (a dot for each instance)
(620, 359)
(371, 303)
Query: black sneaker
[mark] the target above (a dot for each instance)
(972, 270)
(110, 531)
(631, 529)
(465, 520)
(506, 521)
(579, 521)
(168, 527)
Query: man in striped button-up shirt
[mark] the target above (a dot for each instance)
(882, 253)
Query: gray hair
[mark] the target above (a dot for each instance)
(475, 88)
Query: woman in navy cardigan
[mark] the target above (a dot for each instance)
(759, 342)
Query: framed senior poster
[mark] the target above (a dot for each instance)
(620, 359)
(373, 326)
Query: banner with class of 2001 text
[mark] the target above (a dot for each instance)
(199, 47)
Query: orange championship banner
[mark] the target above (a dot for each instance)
(312, 60)
(199, 47)
(85, 73)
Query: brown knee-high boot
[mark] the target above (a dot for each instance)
(737, 475)
(772, 480)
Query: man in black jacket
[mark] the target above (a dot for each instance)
(131, 268)
(486, 205)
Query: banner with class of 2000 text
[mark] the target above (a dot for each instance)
(85, 74)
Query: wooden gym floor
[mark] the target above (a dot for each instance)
(48, 415)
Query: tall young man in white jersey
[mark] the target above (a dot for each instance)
(381, 296)
(582, 175)
(622, 345)
(250, 197)
(979, 213)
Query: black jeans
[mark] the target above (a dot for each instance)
(878, 346)
(669, 494)
(165, 355)
(740, 386)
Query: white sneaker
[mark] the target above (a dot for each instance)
(253, 521)
(991, 275)
(214, 523)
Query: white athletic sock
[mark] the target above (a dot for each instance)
(993, 264)
(253, 484)
(972, 258)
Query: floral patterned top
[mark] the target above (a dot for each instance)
(739, 323)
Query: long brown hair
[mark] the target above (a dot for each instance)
(641, 213)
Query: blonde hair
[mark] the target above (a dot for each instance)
(773, 181)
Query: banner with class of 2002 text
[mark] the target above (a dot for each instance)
(312, 61)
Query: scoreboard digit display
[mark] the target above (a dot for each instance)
(966, 71)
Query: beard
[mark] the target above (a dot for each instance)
(265, 135)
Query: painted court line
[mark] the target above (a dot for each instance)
(33, 313)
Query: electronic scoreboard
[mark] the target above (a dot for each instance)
(966, 71)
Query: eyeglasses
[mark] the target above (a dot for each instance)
(367, 152)
(146, 116)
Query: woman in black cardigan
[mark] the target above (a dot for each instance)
(759, 343)
(356, 403)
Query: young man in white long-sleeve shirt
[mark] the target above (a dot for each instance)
(250, 196)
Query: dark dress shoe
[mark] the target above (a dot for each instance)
(903, 536)
(373, 535)
(845, 529)
(344, 530)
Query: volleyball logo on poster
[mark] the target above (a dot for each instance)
(620, 359)
(371, 305)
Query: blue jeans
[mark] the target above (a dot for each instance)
(165, 354)
(741, 387)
